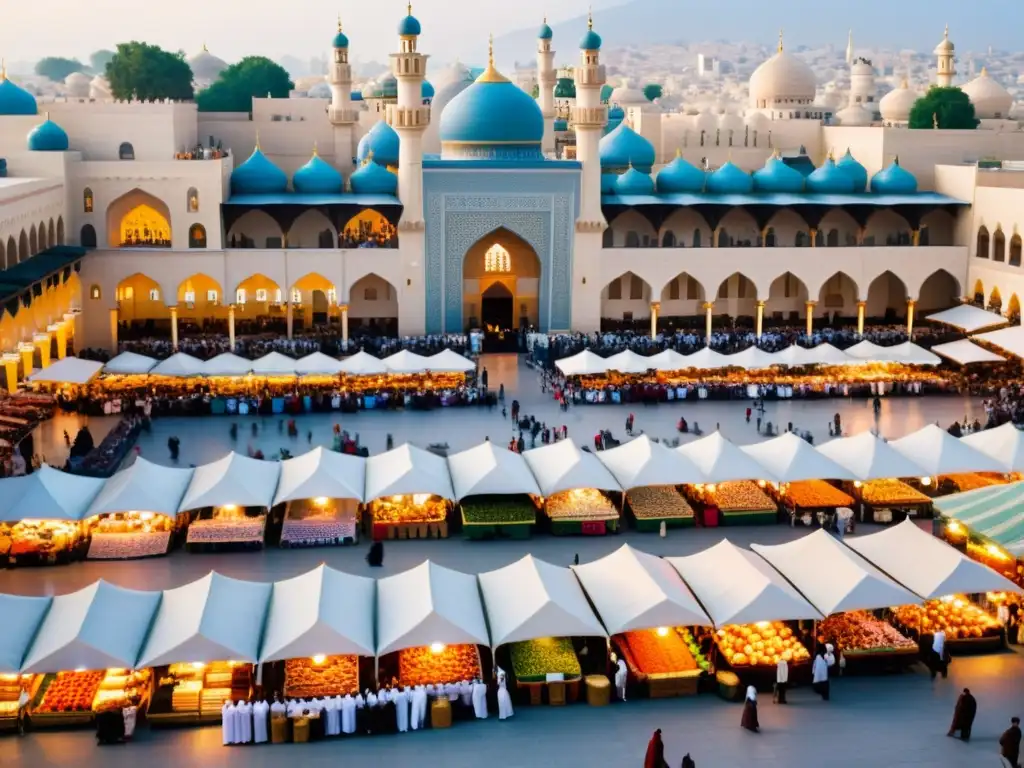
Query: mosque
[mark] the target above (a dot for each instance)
(411, 209)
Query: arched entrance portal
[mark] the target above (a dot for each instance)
(496, 307)
(500, 287)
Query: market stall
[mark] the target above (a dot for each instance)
(720, 460)
(274, 365)
(649, 611)
(734, 502)
(321, 492)
(227, 365)
(575, 486)
(988, 523)
(628, 361)
(890, 500)
(203, 642)
(939, 453)
(868, 457)
(227, 502)
(968, 318)
(362, 364)
(129, 364)
(41, 516)
(406, 362)
(408, 492)
(318, 369)
(966, 352)
(22, 617)
(585, 363)
(496, 492)
(812, 502)
(136, 512)
(447, 361)
(1004, 444)
(178, 366)
(69, 373)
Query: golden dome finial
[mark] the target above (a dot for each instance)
(339, 22)
(945, 35)
(258, 140)
(408, 8)
(590, 17)
(984, 71)
(491, 74)
(315, 152)
(205, 49)
(369, 158)
(832, 155)
(490, 50)
(3, 69)
(780, 41)
(905, 84)
(679, 152)
(545, 18)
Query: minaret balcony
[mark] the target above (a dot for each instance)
(590, 117)
(343, 115)
(592, 75)
(409, 117)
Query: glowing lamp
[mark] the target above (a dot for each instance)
(437, 648)
(319, 659)
(662, 631)
(763, 624)
(230, 507)
(80, 669)
(420, 498)
(955, 527)
(320, 501)
(711, 488)
(197, 665)
(857, 484)
(926, 481)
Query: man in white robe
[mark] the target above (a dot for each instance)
(621, 677)
(401, 699)
(245, 709)
(480, 700)
(260, 712)
(348, 714)
(278, 707)
(419, 707)
(504, 698)
(227, 723)
(466, 693)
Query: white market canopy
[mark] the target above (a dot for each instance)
(910, 353)
(1004, 444)
(668, 360)
(143, 487)
(793, 355)
(322, 612)
(868, 352)
(273, 364)
(642, 462)
(926, 565)
(321, 473)
(738, 587)
(826, 354)
(213, 619)
(406, 362)
(789, 458)
(628, 361)
(752, 358)
(635, 590)
(22, 617)
(1011, 339)
(407, 470)
(47, 494)
(966, 352)
(70, 370)
(707, 359)
(562, 466)
(530, 599)
(720, 460)
(129, 364)
(429, 604)
(363, 364)
(995, 512)
(318, 364)
(852, 584)
(939, 453)
(178, 365)
(968, 318)
(234, 479)
(585, 363)
(869, 457)
(490, 469)
(449, 362)
(99, 627)
(227, 364)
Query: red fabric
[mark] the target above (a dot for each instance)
(592, 528)
(655, 757)
(380, 531)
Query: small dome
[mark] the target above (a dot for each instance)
(356, 95)
(730, 122)
(382, 140)
(561, 124)
(854, 115)
(895, 106)
(606, 93)
(628, 96)
(757, 121)
(633, 182)
(319, 91)
(849, 165)
(830, 180)
(385, 88)
(705, 121)
(374, 179)
(317, 177)
(894, 180)
(624, 147)
(76, 85)
(608, 183)
(730, 179)
(784, 77)
(679, 177)
(565, 88)
(426, 90)
(205, 66)
(778, 177)
(991, 101)
(47, 137)
(15, 100)
(544, 33)
(258, 176)
(340, 39)
(455, 81)
(591, 41)
(409, 26)
(946, 46)
(615, 112)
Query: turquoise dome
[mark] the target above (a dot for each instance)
(385, 88)
(47, 137)
(623, 147)
(894, 180)
(854, 170)
(426, 90)
(591, 41)
(409, 26)
(258, 176)
(493, 119)
(561, 124)
(373, 179)
(606, 93)
(340, 39)
(356, 95)
(679, 177)
(565, 88)
(776, 176)
(608, 183)
(383, 141)
(730, 179)
(317, 177)
(829, 179)
(633, 182)
(615, 112)
(15, 100)
(545, 31)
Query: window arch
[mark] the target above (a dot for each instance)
(632, 239)
(608, 238)
(832, 240)
(497, 260)
(668, 240)
(51, 237)
(192, 200)
(1015, 247)
(12, 252)
(696, 238)
(95, 293)
(33, 243)
(982, 247)
(87, 200)
(60, 230)
(999, 245)
(197, 236)
(126, 151)
(88, 236)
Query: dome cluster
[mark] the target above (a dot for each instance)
(382, 142)
(15, 100)
(623, 148)
(259, 176)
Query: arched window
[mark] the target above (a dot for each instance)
(95, 293)
(999, 246)
(769, 238)
(832, 241)
(87, 200)
(197, 236)
(608, 238)
(497, 259)
(192, 200)
(51, 237)
(801, 240)
(325, 239)
(1015, 251)
(696, 238)
(145, 227)
(12, 252)
(126, 151)
(632, 239)
(668, 240)
(819, 239)
(33, 242)
(982, 248)
(60, 230)
(240, 296)
(88, 236)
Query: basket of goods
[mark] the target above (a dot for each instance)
(664, 659)
(489, 516)
(972, 481)
(411, 516)
(760, 645)
(438, 664)
(652, 505)
(321, 676)
(534, 660)
(966, 625)
(815, 494)
(858, 633)
(582, 510)
(729, 686)
(67, 695)
(889, 492)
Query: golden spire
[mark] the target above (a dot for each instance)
(315, 152)
(590, 17)
(832, 155)
(408, 8)
(905, 84)
(776, 154)
(205, 49)
(491, 74)
(3, 69)
(780, 41)
(339, 22)
(946, 34)
(490, 50)
(369, 158)
(258, 140)
(545, 18)
(679, 152)
(984, 71)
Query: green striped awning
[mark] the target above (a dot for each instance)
(997, 513)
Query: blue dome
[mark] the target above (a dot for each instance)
(258, 176)
(623, 147)
(373, 179)
(608, 183)
(410, 25)
(383, 141)
(829, 179)
(615, 112)
(426, 90)
(561, 124)
(730, 179)
(633, 182)
(47, 137)
(492, 118)
(545, 31)
(854, 170)
(317, 177)
(356, 95)
(340, 39)
(591, 41)
(894, 180)
(606, 93)
(15, 100)
(680, 176)
(776, 176)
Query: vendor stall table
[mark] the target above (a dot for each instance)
(651, 506)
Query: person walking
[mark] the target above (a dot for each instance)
(749, 718)
(655, 757)
(963, 715)
(819, 675)
(1009, 743)
(939, 658)
(781, 681)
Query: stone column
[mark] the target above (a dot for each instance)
(113, 330)
(60, 332)
(814, 237)
(714, 236)
(231, 327)
(174, 328)
(27, 351)
(861, 309)
(910, 318)
(764, 237)
(290, 316)
(709, 307)
(42, 343)
(759, 320)
(915, 237)
(11, 360)
(810, 317)
(655, 307)
(344, 326)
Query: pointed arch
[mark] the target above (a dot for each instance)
(43, 243)
(1013, 309)
(787, 298)
(3, 256)
(60, 230)
(940, 290)
(995, 300)
(23, 252)
(978, 296)
(307, 230)
(684, 287)
(626, 298)
(192, 200)
(139, 219)
(256, 295)
(373, 306)
(87, 237)
(484, 265)
(1015, 250)
(141, 300)
(51, 235)
(887, 296)
(197, 236)
(999, 245)
(838, 295)
(255, 229)
(369, 226)
(33, 241)
(982, 243)
(199, 296)
(87, 200)
(12, 252)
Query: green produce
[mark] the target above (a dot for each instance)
(533, 660)
(498, 510)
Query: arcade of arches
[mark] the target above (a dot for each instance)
(137, 219)
(312, 229)
(500, 283)
(42, 330)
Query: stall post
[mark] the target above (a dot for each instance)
(60, 332)
(861, 308)
(709, 307)
(813, 232)
(810, 318)
(291, 317)
(344, 326)
(655, 306)
(174, 327)
(759, 327)
(911, 303)
(113, 330)
(28, 353)
(231, 327)
(11, 360)
(42, 342)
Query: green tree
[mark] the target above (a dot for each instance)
(535, 92)
(652, 91)
(949, 108)
(98, 60)
(57, 68)
(253, 76)
(147, 72)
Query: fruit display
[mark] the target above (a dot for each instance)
(534, 660)
(971, 481)
(321, 676)
(70, 692)
(658, 502)
(959, 618)
(11, 687)
(38, 537)
(430, 665)
(860, 632)
(735, 496)
(203, 688)
(580, 504)
(657, 651)
(994, 557)
(223, 531)
(891, 493)
(415, 508)
(814, 494)
(121, 687)
(761, 644)
(498, 510)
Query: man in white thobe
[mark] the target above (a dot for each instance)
(227, 723)
(401, 699)
(466, 693)
(246, 711)
(260, 711)
(621, 678)
(480, 700)
(452, 689)
(348, 714)
(419, 707)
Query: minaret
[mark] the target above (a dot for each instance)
(589, 116)
(410, 118)
(546, 85)
(946, 69)
(343, 117)
(849, 49)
